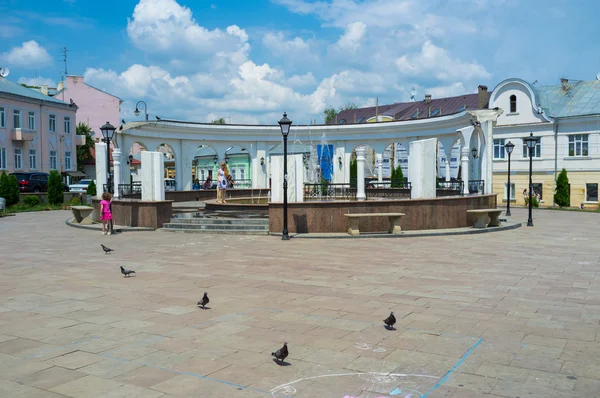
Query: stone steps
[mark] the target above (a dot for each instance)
(218, 226)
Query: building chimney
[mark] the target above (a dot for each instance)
(482, 96)
(60, 86)
(44, 89)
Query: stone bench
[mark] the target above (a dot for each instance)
(83, 214)
(394, 218)
(482, 217)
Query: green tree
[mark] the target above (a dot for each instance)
(353, 173)
(91, 189)
(561, 196)
(220, 120)
(9, 189)
(330, 113)
(84, 152)
(55, 188)
(397, 178)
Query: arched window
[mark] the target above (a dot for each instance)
(513, 104)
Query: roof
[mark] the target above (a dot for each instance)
(291, 149)
(576, 98)
(6, 86)
(412, 110)
(209, 151)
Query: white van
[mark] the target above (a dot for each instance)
(170, 184)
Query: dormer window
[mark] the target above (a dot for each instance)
(513, 104)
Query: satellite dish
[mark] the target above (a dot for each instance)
(598, 76)
(413, 91)
(4, 72)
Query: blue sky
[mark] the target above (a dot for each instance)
(249, 61)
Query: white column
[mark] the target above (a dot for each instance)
(186, 153)
(153, 186)
(179, 166)
(339, 170)
(259, 171)
(464, 166)
(487, 172)
(100, 148)
(360, 174)
(448, 153)
(379, 159)
(117, 171)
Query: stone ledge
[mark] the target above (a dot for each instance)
(98, 227)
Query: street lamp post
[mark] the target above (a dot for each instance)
(137, 109)
(530, 141)
(285, 124)
(107, 132)
(509, 148)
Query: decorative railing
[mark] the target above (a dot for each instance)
(126, 190)
(449, 188)
(476, 186)
(324, 191)
(242, 184)
(387, 189)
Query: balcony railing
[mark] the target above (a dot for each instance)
(313, 192)
(21, 134)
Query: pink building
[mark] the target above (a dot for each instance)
(37, 132)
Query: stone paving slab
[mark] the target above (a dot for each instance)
(505, 314)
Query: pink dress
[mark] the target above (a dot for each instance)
(105, 210)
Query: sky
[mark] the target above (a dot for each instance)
(248, 61)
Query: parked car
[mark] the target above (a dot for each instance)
(81, 185)
(34, 182)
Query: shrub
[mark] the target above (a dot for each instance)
(353, 173)
(75, 201)
(4, 185)
(324, 184)
(9, 189)
(31, 201)
(55, 188)
(91, 189)
(534, 201)
(561, 196)
(397, 178)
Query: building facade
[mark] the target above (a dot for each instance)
(565, 120)
(37, 132)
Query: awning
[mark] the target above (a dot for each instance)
(74, 173)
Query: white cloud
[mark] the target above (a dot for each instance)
(352, 37)
(37, 81)
(437, 62)
(296, 49)
(304, 80)
(164, 26)
(29, 55)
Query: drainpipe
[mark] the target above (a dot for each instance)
(41, 140)
(555, 158)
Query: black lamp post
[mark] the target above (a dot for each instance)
(509, 148)
(530, 141)
(107, 132)
(285, 124)
(137, 109)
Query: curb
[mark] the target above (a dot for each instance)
(116, 229)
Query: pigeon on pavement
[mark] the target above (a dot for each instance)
(205, 300)
(390, 321)
(281, 353)
(126, 272)
(106, 249)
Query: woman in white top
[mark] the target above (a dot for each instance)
(222, 182)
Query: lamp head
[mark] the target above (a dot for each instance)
(108, 131)
(474, 152)
(285, 124)
(262, 161)
(340, 160)
(530, 141)
(509, 147)
(137, 111)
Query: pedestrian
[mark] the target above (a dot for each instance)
(230, 181)
(222, 182)
(525, 197)
(105, 214)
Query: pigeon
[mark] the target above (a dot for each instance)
(281, 353)
(157, 118)
(205, 300)
(106, 249)
(122, 121)
(126, 272)
(390, 321)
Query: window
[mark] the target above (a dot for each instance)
(2, 117)
(499, 148)
(578, 145)
(360, 120)
(462, 108)
(342, 121)
(18, 158)
(16, 119)
(53, 160)
(32, 159)
(591, 192)
(67, 125)
(3, 158)
(537, 149)
(31, 124)
(512, 190)
(67, 160)
(436, 112)
(233, 173)
(513, 104)
(538, 190)
(52, 123)
(416, 115)
(242, 174)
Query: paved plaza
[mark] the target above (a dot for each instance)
(505, 314)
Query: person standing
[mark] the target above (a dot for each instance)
(222, 182)
(105, 214)
(525, 197)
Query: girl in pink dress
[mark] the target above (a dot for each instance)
(105, 214)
